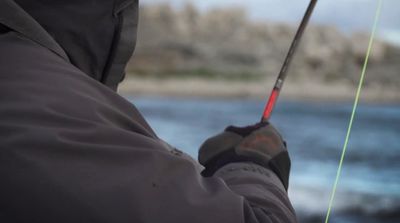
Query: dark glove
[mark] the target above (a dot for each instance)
(260, 144)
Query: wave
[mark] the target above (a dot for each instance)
(311, 205)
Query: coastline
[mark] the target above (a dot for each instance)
(209, 88)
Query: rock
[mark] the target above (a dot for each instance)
(228, 41)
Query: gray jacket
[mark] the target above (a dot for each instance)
(72, 150)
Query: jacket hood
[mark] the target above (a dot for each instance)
(97, 36)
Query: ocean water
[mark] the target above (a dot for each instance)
(369, 188)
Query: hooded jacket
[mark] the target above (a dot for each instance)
(72, 150)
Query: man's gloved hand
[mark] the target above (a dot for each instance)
(260, 143)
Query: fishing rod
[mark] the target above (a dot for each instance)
(269, 107)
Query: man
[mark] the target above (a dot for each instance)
(72, 150)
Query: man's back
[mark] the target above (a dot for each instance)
(72, 150)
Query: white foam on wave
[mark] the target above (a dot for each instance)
(314, 201)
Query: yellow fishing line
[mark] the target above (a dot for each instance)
(339, 170)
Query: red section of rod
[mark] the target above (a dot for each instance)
(270, 105)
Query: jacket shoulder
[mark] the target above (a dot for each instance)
(34, 80)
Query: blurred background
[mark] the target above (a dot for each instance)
(202, 65)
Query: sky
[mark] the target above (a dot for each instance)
(347, 15)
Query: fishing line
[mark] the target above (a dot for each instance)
(353, 113)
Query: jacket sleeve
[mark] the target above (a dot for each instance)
(265, 198)
(71, 150)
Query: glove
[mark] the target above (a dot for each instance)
(260, 144)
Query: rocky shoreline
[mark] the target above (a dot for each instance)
(227, 43)
(221, 52)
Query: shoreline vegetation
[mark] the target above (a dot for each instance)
(221, 52)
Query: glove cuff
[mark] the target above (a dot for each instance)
(280, 164)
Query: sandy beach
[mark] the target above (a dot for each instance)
(196, 87)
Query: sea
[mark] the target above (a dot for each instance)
(369, 187)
